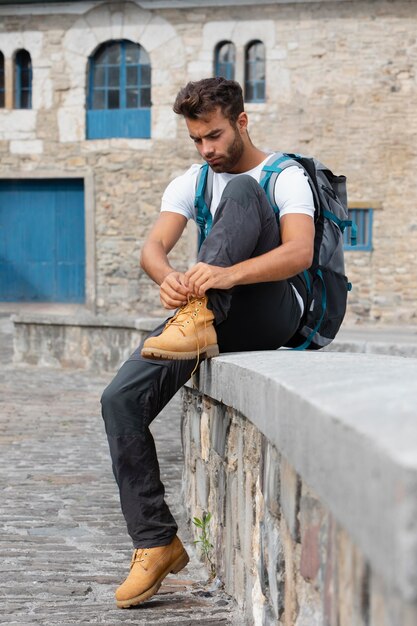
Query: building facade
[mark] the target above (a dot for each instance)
(88, 139)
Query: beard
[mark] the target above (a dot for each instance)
(232, 157)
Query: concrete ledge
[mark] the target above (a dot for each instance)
(395, 341)
(83, 340)
(346, 425)
(86, 319)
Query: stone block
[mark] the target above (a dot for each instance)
(116, 19)
(29, 146)
(353, 580)
(33, 40)
(290, 497)
(219, 426)
(232, 454)
(158, 33)
(195, 429)
(311, 519)
(272, 565)
(231, 526)
(202, 484)
(290, 588)
(163, 123)
(249, 517)
(240, 487)
(205, 435)
(229, 545)
(10, 42)
(257, 603)
(330, 578)
(309, 607)
(263, 562)
(196, 69)
(43, 93)
(71, 124)
(80, 40)
(19, 125)
(239, 579)
(271, 479)
(217, 496)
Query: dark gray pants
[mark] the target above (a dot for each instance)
(262, 316)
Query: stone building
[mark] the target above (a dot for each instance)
(88, 140)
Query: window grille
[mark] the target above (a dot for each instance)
(119, 99)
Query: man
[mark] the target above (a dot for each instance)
(244, 293)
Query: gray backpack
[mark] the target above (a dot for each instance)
(326, 283)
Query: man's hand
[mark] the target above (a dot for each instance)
(173, 290)
(202, 277)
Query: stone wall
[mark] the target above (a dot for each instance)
(311, 487)
(340, 85)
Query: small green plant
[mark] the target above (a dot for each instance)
(204, 539)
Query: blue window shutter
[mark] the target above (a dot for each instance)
(120, 123)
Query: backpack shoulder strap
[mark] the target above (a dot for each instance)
(202, 201)
(273, 168)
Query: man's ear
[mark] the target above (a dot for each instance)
(242, 122)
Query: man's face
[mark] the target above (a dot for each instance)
(219, 143)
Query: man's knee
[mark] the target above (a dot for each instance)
(113, 404)
(240, 188)
(109, 398)
(131, 400)
(121, 410)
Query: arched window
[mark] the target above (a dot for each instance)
(22, 80)
(1, 80)
(119, 91)
(255, 72)
(224, 60)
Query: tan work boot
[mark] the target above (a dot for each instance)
(148, 568)
(190, 334)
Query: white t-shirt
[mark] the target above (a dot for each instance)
(292, 191)
(292, 194)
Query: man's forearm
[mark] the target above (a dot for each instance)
(283, 262)
(278, 264)
(155, 262)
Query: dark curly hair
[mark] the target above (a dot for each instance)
(198, 98)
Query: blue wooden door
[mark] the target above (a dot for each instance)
(42, 240)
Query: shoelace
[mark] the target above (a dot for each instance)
(188, 311)
(137, 556)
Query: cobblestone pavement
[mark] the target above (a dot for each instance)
(63, 544)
